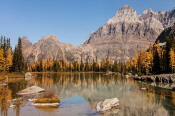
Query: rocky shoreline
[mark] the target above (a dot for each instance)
(166, 81)
(162, 78)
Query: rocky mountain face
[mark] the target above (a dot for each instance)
(50, 47)
(122, 36)
(26, 47)
(127, 33)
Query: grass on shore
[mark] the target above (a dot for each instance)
(48, 100)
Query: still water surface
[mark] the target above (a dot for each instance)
(80, 92)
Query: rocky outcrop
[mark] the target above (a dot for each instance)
(122, 36)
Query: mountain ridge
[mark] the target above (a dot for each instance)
(119, 38)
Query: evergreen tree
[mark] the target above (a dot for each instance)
(18, 60)
(4, 47)
(55, 66)
(156, 59)
(1, 42)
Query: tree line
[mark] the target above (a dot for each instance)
(76, 66)
(11, 61)
(159, 58)
(156, 59)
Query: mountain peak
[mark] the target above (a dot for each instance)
(149, 11)
(126, 7)
(125, 14)
(50, 37)
(25, 40)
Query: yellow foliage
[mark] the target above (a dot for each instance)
(49, 64)
(8, 59)
(53, 99)
(135, 62)
(71, 66)
(172, 60)
(2, 60)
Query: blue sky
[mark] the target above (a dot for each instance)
(71, 20)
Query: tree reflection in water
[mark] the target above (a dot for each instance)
(93, 87)
(5, 95)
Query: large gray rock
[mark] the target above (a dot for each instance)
(107, 104)
(31, 90)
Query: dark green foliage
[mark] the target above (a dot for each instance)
(169, 32)
(156, 62)
(5, 44)
(55, 66)
(18, 60)
(167, 58)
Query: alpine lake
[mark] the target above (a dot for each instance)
(80, 92)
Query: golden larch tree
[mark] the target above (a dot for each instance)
(9, 59)
(172, 60)
(2, 60)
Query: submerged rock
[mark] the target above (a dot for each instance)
(12, 106)
(46, 104)
(111, 73)
(108, 73)
(143, 88)
(32, 100)
(107, 104)
(31, 90)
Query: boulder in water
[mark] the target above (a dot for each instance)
(31, 90)
(107, 104)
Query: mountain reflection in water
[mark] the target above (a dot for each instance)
(80, 92)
